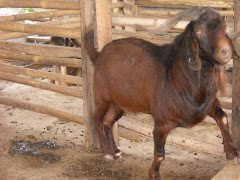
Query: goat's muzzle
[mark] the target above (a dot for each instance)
(224, 54)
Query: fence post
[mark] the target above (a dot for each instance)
(236, 80)
(104, 36)
(87, 21)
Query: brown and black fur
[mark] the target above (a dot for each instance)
(176, 83)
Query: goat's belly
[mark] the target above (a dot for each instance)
(130, 101)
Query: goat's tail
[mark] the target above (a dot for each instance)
(89, 45)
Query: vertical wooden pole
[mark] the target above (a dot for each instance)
(129, 8)
(104, 24)
(236, 80)
(87, 22)
(104, 36)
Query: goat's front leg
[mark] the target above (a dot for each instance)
(221, 118)
(159, 135)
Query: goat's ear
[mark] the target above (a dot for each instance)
(199, 29)
(192, 52)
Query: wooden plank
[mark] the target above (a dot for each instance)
(41, 49)
(69, 62)
(202, 3)
(43, 85)
(41, 74)
(41, 109)
(87, 22)
(236, 82)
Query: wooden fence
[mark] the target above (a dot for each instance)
(128, 18)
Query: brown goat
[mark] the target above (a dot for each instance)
(175, 83)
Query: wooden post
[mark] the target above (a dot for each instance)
(104, 36)
(236, 81)
(87, 22)
(129, 8)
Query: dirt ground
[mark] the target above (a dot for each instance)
(37, 146)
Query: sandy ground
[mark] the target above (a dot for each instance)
(38, 146)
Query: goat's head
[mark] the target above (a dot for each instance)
(213, 41)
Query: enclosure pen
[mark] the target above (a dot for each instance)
(30, 63)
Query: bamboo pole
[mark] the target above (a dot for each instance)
(87, 22)
(37, 15)
(41, 74)
(69, 62)
(202, 3)
(41, 49)
(40, 30)
(63, 23)
(164, 14)
(41, 109)
(42, 85)
(46, 4)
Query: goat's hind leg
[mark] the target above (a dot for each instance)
(111, 116)
(221, 118)
(100, 111)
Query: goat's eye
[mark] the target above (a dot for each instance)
(190, 60)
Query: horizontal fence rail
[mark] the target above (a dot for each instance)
(203, 3)
(37, 15)
(41, 49)
(46, 4)
(41, 74)
(69, 62)
(41, 109)
(42, 85)
(40, 29)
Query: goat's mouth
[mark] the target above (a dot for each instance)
(224, 55)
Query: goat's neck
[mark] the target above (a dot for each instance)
(197, 85)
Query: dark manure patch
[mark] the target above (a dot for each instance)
(99, 168)
(35, 149)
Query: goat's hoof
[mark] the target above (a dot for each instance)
(108, 157)
(235, 161)
(118, 156)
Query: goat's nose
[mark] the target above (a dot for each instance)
(226, 51)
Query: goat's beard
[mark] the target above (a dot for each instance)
(219, 79)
